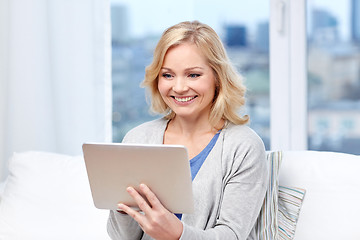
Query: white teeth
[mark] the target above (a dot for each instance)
(186, 99)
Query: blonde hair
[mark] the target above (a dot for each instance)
(229, 90)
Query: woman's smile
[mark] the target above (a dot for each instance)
(182, 100)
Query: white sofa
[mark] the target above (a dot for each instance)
(47, 196)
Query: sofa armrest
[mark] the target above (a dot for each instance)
(332, 181)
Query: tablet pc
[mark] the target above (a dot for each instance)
(165, 169)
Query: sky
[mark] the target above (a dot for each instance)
(154, 16)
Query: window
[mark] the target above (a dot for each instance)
(137, 26)
(333, 55)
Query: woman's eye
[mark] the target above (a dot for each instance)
(166, 75)
(194, 75)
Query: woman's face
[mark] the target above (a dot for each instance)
(187, 82)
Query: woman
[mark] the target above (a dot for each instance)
(193, 84)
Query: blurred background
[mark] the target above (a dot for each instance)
(332, 57)
(70, 70)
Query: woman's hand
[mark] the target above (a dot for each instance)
(156, 220)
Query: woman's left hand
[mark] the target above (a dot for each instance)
(156, 220)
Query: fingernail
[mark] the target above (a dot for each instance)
(120, 208)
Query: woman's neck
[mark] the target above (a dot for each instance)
(195, 135)
(193, 127)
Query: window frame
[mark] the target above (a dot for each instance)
(288, 81)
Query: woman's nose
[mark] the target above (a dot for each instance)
(180, 85)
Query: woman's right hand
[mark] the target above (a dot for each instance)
(155, 220)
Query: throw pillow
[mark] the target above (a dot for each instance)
(289, 205)
(281, 208)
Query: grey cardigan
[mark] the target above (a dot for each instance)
(228, 190)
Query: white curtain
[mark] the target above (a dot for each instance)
(55, 76)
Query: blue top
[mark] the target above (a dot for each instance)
(197, 161)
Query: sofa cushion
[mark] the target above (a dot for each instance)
(47, 196)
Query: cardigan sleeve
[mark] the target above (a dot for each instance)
(121, 226)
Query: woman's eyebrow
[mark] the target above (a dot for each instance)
(186, 69)
(165, 68)
(193, 68)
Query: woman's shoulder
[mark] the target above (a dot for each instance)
(150, 125)
(241, 131)
(242, 137)
(246, 145)
(147, 132)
